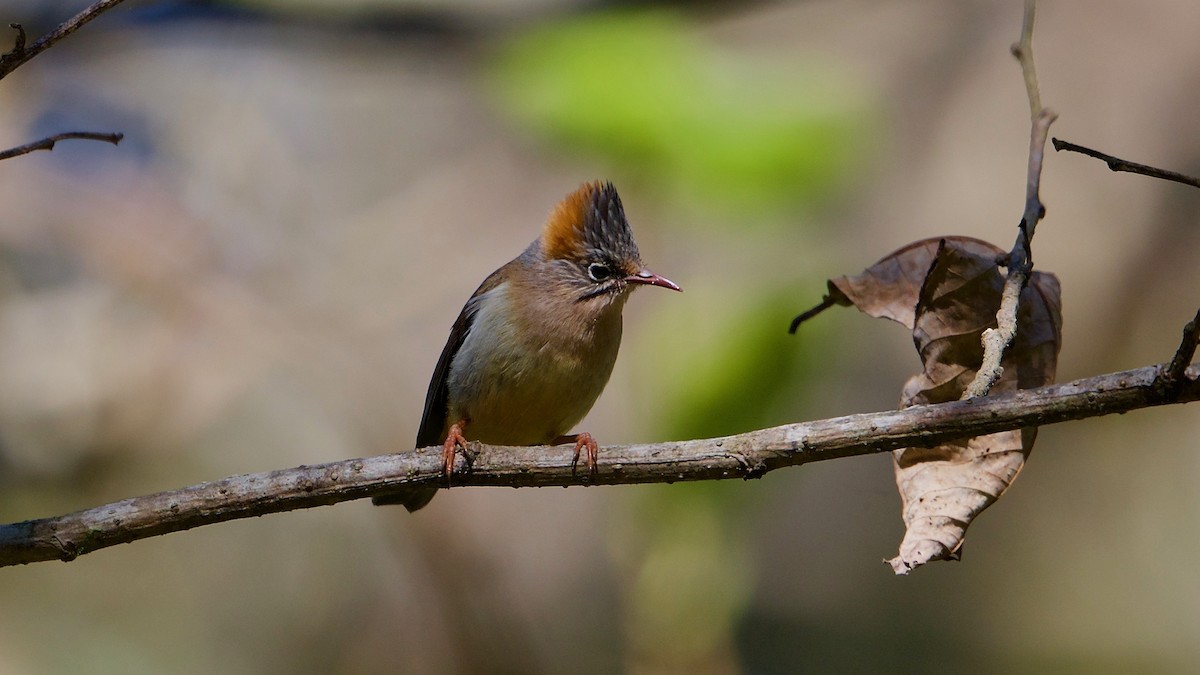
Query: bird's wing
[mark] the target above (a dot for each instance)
(433, 421)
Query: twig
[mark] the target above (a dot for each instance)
(18, 43)
(11, 60)
(1118, 164)
(1023, 50)
(1173, 374)
(48, 142)
(826, 303)
(745, 455)
(1022, 257)
(1020, 260)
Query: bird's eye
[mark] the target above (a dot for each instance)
(599, 272)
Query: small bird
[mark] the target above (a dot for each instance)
(534, 346)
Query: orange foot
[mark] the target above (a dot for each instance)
(454, 440)
(581, 441)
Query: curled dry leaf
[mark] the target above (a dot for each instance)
(948, 291)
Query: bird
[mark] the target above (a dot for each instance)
(534, 346)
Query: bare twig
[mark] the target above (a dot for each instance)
(1022, 257)
(1118, 164)
(19, 42)
(1020, 260)
(11, 60)
(826, 303)
(742, 456)
(48, 142)
(1173, 375)
(1023, 50)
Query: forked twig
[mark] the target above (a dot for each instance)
(1020, 260)
(19, 54)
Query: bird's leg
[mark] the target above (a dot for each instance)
(454, 440)
(581, 441)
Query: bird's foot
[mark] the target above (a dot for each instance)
(581, 441)
(454, 440)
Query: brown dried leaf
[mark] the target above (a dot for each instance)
(957, 303)
(890, 288)
(948, 291)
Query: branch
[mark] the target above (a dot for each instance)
(1118, 164)
(1023, 50)
(748, 455)
(826, 302)
(1175, 373)
(1020, 259)
(11, 60)
(48, 142)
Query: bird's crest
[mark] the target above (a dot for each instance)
(588, 222)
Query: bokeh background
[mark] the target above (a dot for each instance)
(263, 274)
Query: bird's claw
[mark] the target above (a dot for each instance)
(585, 440)
(454, 440)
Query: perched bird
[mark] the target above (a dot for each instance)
(534, 346)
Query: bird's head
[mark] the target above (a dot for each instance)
(589, 245)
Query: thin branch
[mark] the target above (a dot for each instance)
(1034, 210)
(1173, 375)
(19, 42)
(11, 60)
(1118, 164)
(1023, 50)
(1020, 259)
(48, 142)
(748, 455)
(826, 303)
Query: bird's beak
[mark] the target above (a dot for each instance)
(651, 279)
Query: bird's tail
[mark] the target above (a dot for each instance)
(412, 500)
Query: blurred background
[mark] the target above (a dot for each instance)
(264, 272)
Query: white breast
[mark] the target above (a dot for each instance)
(531, 388)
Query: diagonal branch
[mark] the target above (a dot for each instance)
(748, 455)
(1118, 164)
(19, 54)
(48, 142)
(1020, 259)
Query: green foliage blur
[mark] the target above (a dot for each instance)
(642, 91)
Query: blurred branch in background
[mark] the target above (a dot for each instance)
(48, 142)
(20, 54)
(748, 455)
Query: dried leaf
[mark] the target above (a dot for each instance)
(948, 291)
(957, 303)
(890, 288)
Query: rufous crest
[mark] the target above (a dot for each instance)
(587, 223)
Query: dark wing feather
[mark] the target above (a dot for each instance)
(434, 424)
(437, 399)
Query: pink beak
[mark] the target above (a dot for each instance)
(651, 279)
